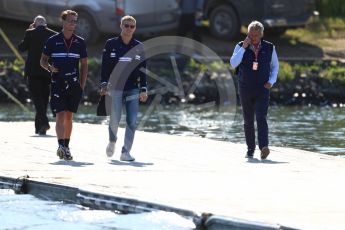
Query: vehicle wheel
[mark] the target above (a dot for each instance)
(86, 28)
(224, 23)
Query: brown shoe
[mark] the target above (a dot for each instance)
(265, 151)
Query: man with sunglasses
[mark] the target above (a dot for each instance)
(127, 87)
(66, 51)
(257, 67)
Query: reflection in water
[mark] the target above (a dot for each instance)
(320, 129)
(28, 212)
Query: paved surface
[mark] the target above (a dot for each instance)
(293, 188)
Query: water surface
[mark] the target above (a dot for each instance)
(319, 129)
(28, 212)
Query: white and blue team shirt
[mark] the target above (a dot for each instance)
(65, 55)
(126, 56)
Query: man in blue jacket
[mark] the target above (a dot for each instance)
(257, 66)
(126, 89)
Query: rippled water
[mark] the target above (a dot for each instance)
(28, 212)
(320, 129)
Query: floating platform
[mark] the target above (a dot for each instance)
(205, 179)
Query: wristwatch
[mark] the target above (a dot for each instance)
(49, 69)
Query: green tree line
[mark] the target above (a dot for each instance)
(331, 8)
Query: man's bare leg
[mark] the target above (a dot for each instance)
(59, 126)
(68, 125)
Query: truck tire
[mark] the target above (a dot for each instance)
(86, 28)
(224, 23)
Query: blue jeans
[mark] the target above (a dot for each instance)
(130, 99)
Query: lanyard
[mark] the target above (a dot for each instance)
(68, 47)
(256, 51)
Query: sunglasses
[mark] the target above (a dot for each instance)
(71, 21)
(129, 26)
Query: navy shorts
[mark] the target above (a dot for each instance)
(65, 96)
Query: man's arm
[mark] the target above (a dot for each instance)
(143, 78)
(107, 64)
(24, 44)
(274, 67)
(45, 64)
(237, 56)
(105, 68)
(83, 72)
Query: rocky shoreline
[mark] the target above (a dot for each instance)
(295, 86)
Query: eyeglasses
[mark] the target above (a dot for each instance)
(127, 26)
(71, 21)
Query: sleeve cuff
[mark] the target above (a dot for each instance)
(103, 84)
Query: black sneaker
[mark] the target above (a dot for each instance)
(250, 154)
(43, 130)
(42, 133)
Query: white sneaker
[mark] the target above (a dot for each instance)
(110, 149)
(68, 156)
(125, 156)
(61, 152)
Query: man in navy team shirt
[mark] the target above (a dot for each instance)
(65, 50)
(128, 87)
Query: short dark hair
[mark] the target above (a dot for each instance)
(65, 13)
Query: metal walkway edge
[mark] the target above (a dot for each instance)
(50, 191)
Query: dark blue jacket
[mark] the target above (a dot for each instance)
(249, 78)
(33, 42)
(130, 63)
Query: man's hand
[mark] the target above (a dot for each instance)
(45, 65)
(31, 26)
(103, 89)
(52, 69)
(143, 96)
(268, 85)
(246, 42)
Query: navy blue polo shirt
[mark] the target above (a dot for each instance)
(65, 55)
(129, 57)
